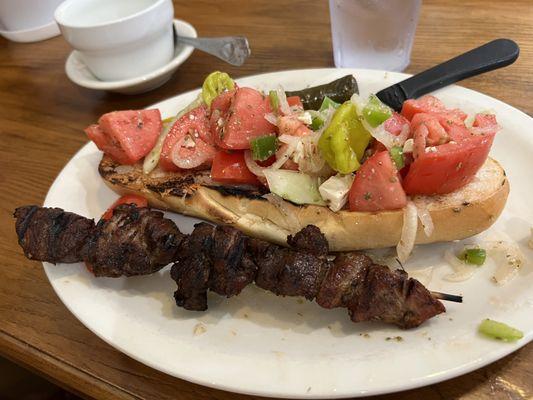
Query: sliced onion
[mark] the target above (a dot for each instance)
(270, 117)
(254, 168)
(329, 116)
(283, 104)
(385, 137)
(423, 275)
(359, 103)
(308, 157)
(508, 257)
(289, 139)
(425, 217)
(152, 159)
(197, 155)
(461, 270)
(408, 236)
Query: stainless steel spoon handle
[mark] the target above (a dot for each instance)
(232, 49)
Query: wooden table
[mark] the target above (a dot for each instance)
(42, 116)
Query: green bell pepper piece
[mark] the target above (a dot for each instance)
(375, 112)
(319, 120)
(216, 83)
(344, 141)
(263, 147)
(274, 100)
(396, 153)
(499, 330)
(474, 256)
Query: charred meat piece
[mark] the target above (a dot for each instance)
(218, 250)
(311, 240)
(286, 272)
(344, 276)
(373, 292)
(192, 279)
(369, 291)
(51, 234)
(134, 241)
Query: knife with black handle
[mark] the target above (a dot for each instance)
(493, 55)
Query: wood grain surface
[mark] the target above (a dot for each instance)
(42, 115)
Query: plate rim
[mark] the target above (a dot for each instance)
(418, 382)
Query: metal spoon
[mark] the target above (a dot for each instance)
(232, 49)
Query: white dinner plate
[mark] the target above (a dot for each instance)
(260, 344)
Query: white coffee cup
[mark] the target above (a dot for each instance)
(119, 39)
(16, 15)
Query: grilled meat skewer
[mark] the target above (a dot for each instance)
(224, 260)
(139, 241)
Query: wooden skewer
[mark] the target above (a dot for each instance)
(447, 297)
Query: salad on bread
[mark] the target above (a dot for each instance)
(322, 155)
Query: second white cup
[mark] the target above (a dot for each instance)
(119, 39)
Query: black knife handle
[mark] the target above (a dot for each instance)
(496, 54)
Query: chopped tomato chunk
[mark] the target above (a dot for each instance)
(377, 186)
(139, 201)
(430, 105)
(103, 142)
(126, 136)
(448, 167)
(243, 120)
(231, 168)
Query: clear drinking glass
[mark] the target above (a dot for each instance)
(375, 34)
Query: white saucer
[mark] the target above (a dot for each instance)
(78, 72)
(37, 34)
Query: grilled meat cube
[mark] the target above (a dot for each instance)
(310, 239)
(134, 241)
(51, 234)
(286, 272)
(230, 273)
(392, 297)
(230, 269)
(192, 278)
(343, 278)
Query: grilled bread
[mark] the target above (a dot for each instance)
(457, 215)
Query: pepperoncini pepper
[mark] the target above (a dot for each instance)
(344, 141)
(214, 84)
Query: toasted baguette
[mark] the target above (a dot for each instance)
(457, 215)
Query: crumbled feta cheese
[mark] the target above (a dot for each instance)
(408, 146)
(306, 118)
(431, 149)
(335, 190)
